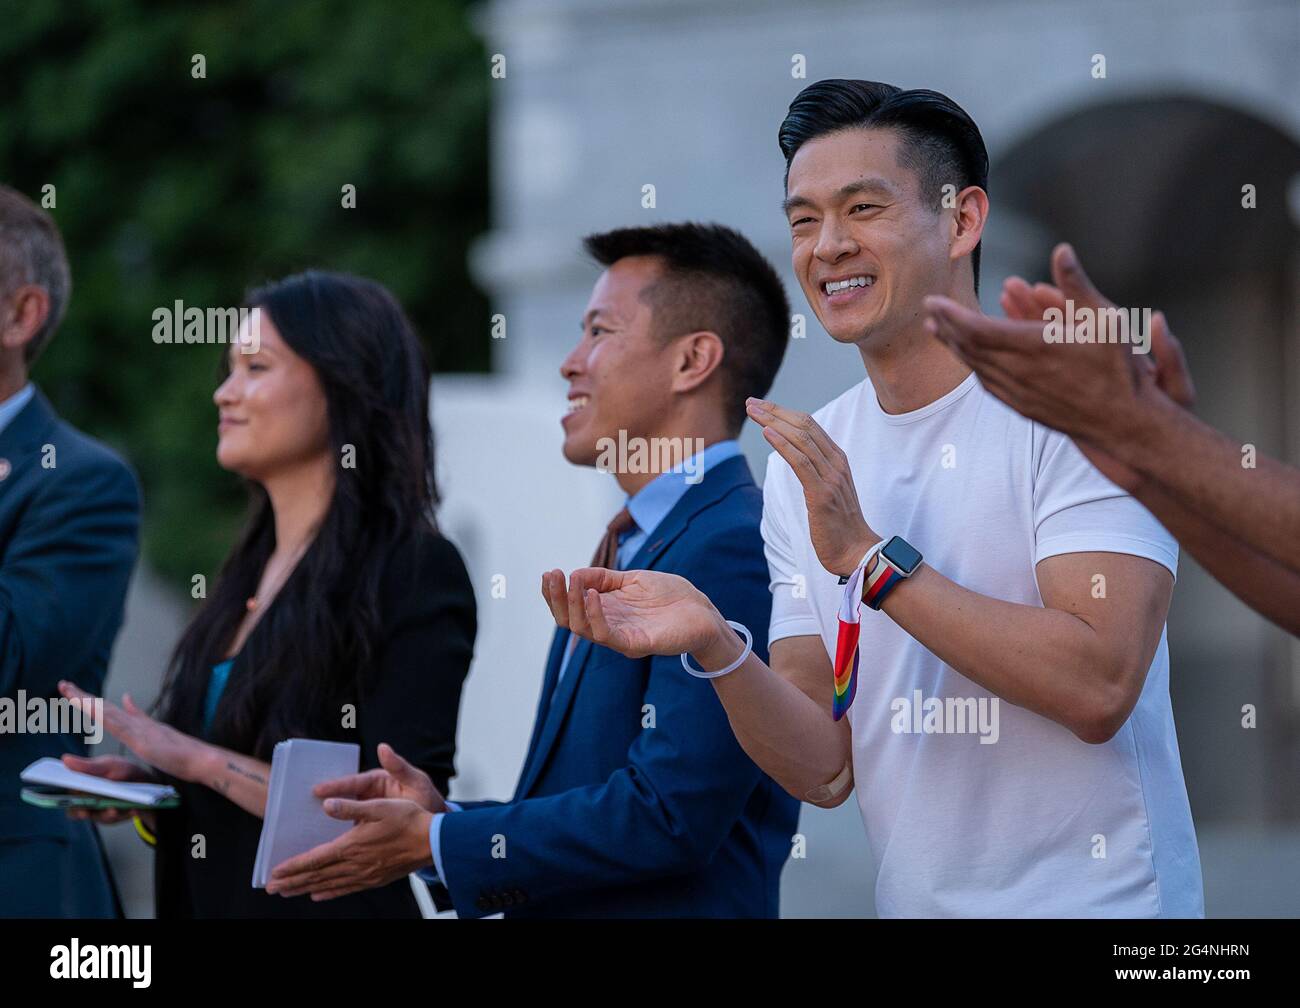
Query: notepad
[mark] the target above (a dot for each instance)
(295, 819)
(50, 772)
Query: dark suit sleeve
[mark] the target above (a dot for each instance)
(413, 696)
(668, 810)
(64, 577)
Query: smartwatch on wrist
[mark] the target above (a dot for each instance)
(897, 559)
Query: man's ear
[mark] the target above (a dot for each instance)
(24, 312)
(698, 355)
(969, 217)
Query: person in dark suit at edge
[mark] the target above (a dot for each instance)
(69, 526)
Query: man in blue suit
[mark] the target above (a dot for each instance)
(635, 798)
(69, 520)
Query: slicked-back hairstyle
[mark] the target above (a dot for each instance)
(714, 280)
(31, 252)
(940, 143)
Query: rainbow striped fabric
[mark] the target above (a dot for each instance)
(846, 648)
(846, 668)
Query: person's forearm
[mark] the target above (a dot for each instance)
(791, 738)
(232, 775)
(1265, 585)
(1045, 660)
(1202, 469)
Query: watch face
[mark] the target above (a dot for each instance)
(899, 552)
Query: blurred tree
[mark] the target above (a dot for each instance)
(170, 187)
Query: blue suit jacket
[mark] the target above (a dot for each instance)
(68, 533)
(635, 799)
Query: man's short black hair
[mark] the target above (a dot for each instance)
(714, 280)
(940, 143)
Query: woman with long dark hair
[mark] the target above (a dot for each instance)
(341, 613)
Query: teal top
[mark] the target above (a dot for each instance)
(216, 686)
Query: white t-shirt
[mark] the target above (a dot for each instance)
(1031, 821)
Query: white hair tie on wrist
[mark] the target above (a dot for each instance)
(741, 629)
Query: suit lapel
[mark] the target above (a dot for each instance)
(25, 432)
(20, 441)
(553, 717)
(717, 482)
(559, 641)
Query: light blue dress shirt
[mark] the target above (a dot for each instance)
(12, 406)
(648, 507)
(652, 503)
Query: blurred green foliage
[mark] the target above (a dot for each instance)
(170, 187)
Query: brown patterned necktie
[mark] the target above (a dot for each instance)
(606, 554)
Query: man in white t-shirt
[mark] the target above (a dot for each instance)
(1008, 725)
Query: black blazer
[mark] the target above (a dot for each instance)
(426, 642)
(69, 521)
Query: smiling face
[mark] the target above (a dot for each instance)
(272, 409)
(620, 374)
(866, 245)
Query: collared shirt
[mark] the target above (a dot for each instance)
(649, 506)
(653, 502)
(12, 406)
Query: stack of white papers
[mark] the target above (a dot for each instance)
(50, 772)
(295, 818)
